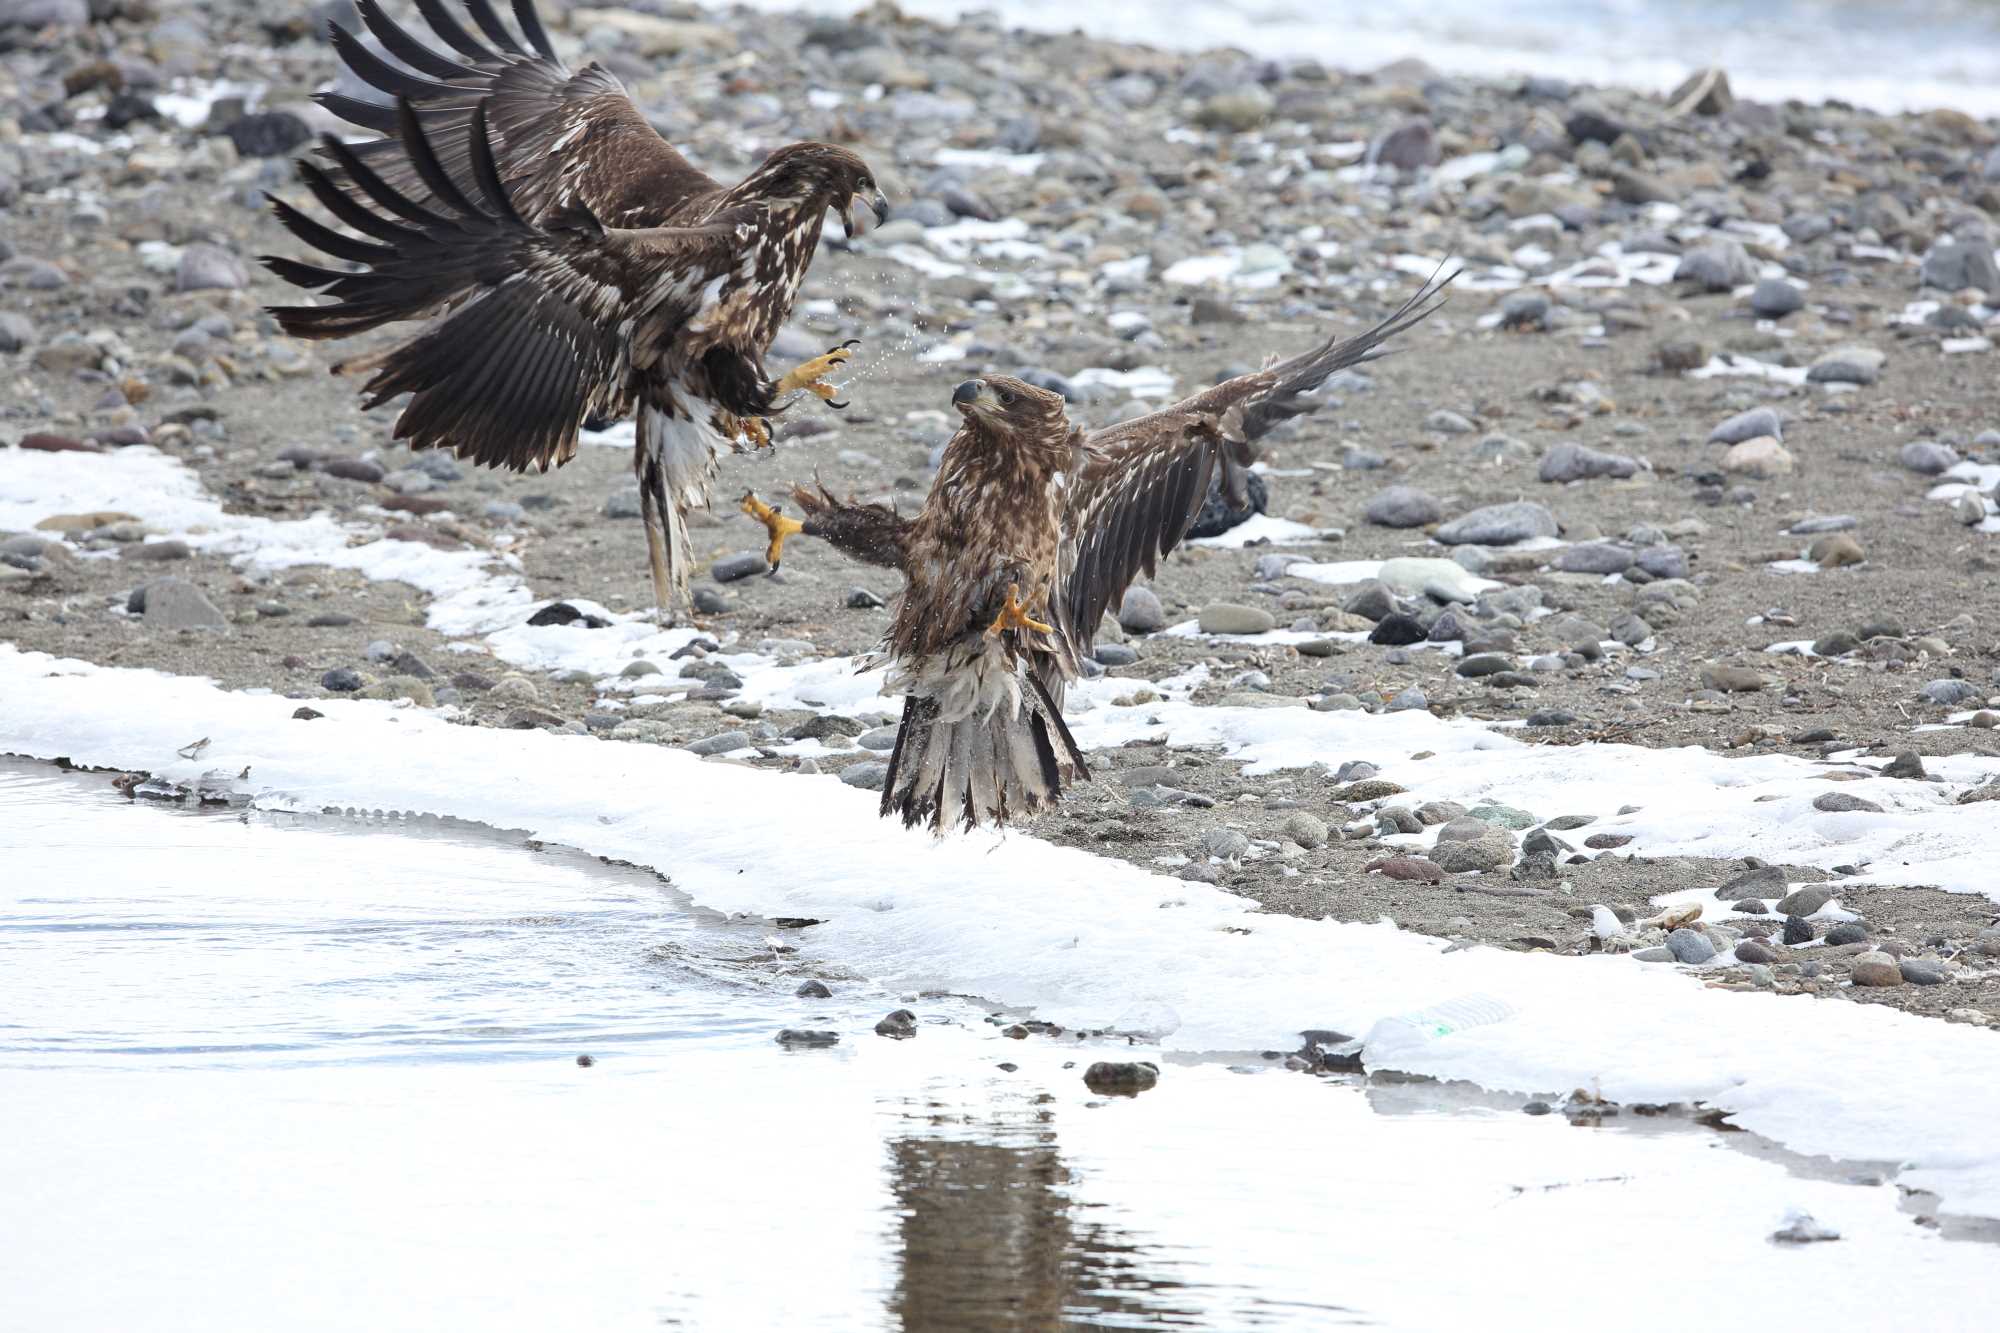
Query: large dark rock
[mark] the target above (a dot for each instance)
(267, 133)
(1121, 1078)
(1217, 516)
(1396, 630)
(562, 613)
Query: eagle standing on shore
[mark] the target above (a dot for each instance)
(570, 261)
(1031, 516)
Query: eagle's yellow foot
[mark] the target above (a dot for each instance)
(807, 376)
(774, 523)
(755, 432)
(1015, 616)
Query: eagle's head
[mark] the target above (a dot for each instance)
(821, 174)
(1003, 404)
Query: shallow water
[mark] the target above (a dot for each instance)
(296, 1071)
(1892, 55)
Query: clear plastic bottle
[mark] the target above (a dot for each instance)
(1406, 1034)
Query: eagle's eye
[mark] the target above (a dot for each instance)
(1006, 398)
(866, 183)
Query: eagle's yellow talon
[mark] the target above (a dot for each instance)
(754, 432)
(1013, 615)
(775, 523)
(807, 375)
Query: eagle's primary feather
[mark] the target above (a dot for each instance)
(1025, 502)
(569, 261)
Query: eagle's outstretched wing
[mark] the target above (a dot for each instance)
(1143, 481)
(560, 139)
(543, 318)
(874, 534)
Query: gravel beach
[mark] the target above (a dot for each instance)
(1703, 450)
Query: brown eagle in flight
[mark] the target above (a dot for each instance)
(1032, 529)
(570, 262)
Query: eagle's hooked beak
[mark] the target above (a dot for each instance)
(971, 396)
(878, 205)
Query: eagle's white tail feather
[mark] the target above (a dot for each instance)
(676, 463)
(982, 740)
(980, 677)
(680, 547)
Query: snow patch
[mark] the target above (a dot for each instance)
(1260, 528)
(1730, 363)
(473, 590)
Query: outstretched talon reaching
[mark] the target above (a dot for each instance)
(1015, 616)
(807, 376)
(774, 523)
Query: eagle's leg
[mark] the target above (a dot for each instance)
(652, 500)
(774, 523)
(807, 375)
(1013, 615)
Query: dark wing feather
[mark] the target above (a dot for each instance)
(310, 276)
(375, 116)
(490, 24)
(400, 44)
(486, 172)
(336, 202)
(1143, 481)
(531, 28)
(559, 140)
(424, 161)
(322, 237)
(379, 73)
(539, 321)
(1307, 371)
(439, 18)
(1247, 406)
(1131, 504)
(375, 188)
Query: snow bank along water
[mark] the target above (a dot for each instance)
(249, 1006)
(1081, 940)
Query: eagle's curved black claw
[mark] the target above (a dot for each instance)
(836, 406)
(851, 342)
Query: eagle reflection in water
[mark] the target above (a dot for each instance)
(992, 1239)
